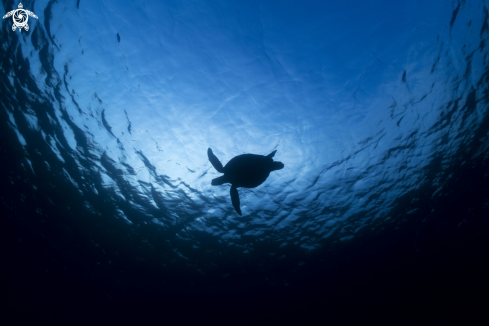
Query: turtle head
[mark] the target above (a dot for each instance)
(277, 166)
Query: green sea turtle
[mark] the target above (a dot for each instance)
(246, 170)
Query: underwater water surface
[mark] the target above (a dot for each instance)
(377, 109)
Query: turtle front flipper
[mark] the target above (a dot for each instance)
(30, 13)
(272, 154)
(215, 161)
(235, 199)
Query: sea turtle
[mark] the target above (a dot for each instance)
(20, 17)
(246, 170)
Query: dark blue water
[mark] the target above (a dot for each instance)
(378, 110)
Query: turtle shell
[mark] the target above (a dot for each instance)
(248, 170)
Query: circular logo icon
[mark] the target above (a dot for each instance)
(20, 17)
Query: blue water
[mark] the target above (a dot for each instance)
(378, 109)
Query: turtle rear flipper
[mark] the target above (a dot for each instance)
(215, 161)
(235, 199)
(219, 181)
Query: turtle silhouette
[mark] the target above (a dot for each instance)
(246, 170)
(20, 17)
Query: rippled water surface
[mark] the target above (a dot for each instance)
(379, 111)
